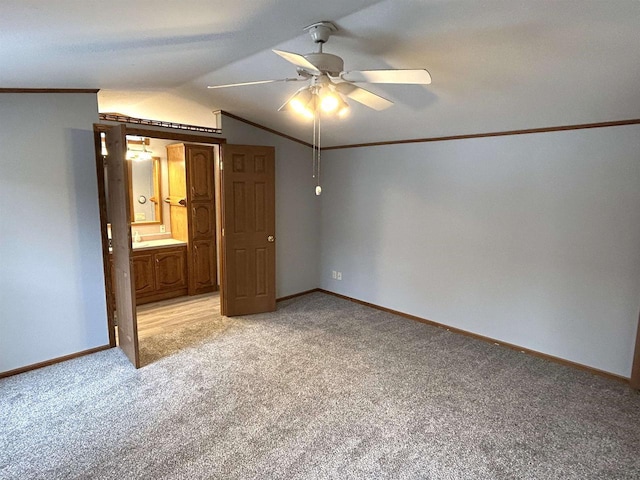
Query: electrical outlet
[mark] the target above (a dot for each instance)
(339, 276)
(163, 229)
(334, 274)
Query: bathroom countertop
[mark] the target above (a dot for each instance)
(165, 242)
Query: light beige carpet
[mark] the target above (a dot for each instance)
(321, 389)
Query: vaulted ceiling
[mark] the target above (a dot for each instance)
(496, 65)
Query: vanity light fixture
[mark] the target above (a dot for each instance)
(144, 154)
(138, 155)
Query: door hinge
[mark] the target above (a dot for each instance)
(223, 232)
(221, 165)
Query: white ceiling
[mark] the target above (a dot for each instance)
(496, 65)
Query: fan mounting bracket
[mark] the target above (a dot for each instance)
(321, 31)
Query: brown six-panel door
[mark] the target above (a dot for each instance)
(119, 215)
(248, 224)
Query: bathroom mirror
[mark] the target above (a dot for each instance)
(144, 191)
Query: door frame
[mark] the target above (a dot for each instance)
(635, 369)
(99, 128)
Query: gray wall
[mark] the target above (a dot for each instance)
(51, 278)
(297, 207)
(529, 239)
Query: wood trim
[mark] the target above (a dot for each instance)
(179, 137)
(49, 90)
(267, 129)
(128, 120)
(167, 135)
(53, 361)
(582, 126)
(635, 371)
(300, 294)
(559, 128)
(534, 353)
(106, 263)
(217, 190)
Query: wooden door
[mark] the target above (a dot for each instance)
(201, 254)
(119, 212)
(248, 226)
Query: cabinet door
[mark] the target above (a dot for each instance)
(143, 273)
(203, 221)
(202, 276)
(171, 269)
(200, 172)
(201, 257)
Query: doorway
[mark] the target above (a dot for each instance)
(199, 213)
(163, 262)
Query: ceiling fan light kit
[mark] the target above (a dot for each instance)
(330, 84)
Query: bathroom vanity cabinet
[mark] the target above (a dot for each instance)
(159, 273)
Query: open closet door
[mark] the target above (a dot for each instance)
(120, 218)
(248, 230)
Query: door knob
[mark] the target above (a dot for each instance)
(271, 239)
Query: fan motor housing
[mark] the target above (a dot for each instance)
(326, 63)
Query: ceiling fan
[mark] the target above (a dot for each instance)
(329, 82)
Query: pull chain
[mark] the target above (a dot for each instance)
(318, 187)
(313, 148)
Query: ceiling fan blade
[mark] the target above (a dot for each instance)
(419, 77)
(298, 60)
(257, 82)
(363, 96)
